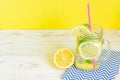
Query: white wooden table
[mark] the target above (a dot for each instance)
(26, 54)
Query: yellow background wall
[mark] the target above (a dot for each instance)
(57, 14)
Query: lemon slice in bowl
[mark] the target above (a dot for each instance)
(80, 31)
(90, 50)
(63, 58)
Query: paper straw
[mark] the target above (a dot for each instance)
(89, 17)
(94, 64)
(90, 23)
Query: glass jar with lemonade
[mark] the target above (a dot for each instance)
(89, 46)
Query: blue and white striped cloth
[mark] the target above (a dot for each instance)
(107, 71)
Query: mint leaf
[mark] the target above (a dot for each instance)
(86, 25)
(88, 61)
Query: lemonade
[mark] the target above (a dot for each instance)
(88, 46)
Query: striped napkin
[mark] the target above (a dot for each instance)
(107, 71)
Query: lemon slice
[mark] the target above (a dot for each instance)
(63, 58)
(90, 50)
(80, 31)
(85, 66)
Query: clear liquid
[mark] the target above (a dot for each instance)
(84, 63)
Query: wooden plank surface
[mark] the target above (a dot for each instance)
(26, 54)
